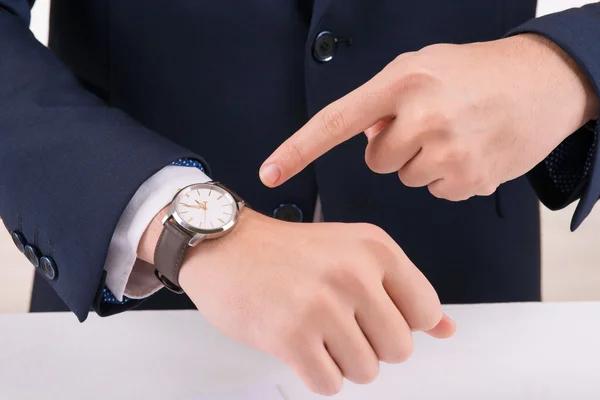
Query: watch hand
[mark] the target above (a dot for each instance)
(190, 206)
(201, 205)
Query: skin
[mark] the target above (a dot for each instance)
(328, 313)
(459, 119)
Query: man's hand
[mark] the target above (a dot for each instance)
(459, 119)
(330, 300)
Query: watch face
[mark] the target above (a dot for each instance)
(205, 207)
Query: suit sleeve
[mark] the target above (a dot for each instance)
(69, 164)
(572, 171)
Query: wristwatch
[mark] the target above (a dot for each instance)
(198, 212)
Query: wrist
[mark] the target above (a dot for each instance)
(208, 257)
(169, 245)
(147, 244)
(571, 86)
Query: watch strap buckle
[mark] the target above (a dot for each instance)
(167, 283)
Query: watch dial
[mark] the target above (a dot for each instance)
(205, 207)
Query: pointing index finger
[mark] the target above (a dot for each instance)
(334, 124)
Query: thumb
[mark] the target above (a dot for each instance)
(444, 329)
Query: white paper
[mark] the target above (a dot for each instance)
(263, 392)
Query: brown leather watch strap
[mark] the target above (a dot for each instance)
(169, 253)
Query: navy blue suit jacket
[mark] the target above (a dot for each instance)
(129, 86)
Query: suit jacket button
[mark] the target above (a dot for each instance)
(18, 240)
(288, 212)
(48, 268)
(324, 46)
(33, 255)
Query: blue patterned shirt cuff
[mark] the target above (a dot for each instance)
(571, 162)
(107, 296)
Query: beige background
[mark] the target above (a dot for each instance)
(571, 266)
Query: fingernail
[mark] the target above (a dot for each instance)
(270, 174)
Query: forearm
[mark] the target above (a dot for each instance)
(150, 237)
(569, 173)
(69, 164)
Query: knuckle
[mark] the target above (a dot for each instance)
(343, 277)
(327, 386)
(380, 249)
(404, 177)
(487, 189)
(475, 178)
(295, 152)
(457, 155)
(447, 191)
(299, 322)
(319, 302)
(293, 330)
(433, 47)
(429, 119)
(436, 191)
(416, 77)
(399, 59)
(408, 178)
(371, 159)
(429, 319)
(437, 51)
(333, 122)
(373, 246)
(316, 375)
(400, 353)
(425, 121)
(371, 230)
(438, 158)
(376, 161)
(458, 195)
(291, 336)
(478, 179)
(365, 374)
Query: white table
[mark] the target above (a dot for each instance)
(505, 352)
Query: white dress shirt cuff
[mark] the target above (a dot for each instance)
(154, 194)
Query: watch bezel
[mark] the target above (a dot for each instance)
(211, 233)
